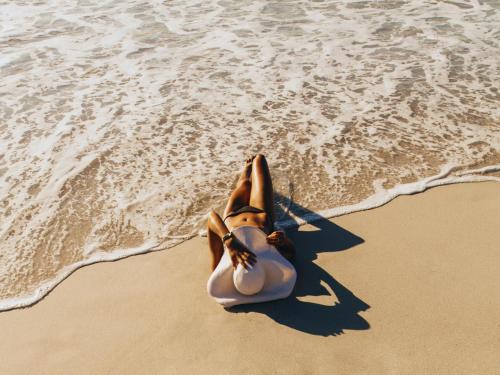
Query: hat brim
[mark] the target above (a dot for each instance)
(280, 273)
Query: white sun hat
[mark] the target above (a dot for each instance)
(272, 277)
(250, 280)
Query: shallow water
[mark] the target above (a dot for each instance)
(123, 123)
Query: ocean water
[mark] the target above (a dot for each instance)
(123, 122)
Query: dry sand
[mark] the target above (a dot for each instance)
(408, 288)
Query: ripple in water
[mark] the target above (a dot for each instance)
(123, 123)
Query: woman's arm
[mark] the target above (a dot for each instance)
(238, 252)
(282, 243)
(215, 231)
(216, 225)
(287, 249)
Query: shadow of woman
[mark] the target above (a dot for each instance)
(309, 317)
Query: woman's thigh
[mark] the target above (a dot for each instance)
(239, 197)
(261, 194)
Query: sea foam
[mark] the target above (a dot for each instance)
(123, 122)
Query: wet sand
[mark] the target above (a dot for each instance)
(410, 287)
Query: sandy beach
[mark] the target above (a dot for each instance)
(124, 123)
(407, 288)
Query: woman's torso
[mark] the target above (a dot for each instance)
(259, 220)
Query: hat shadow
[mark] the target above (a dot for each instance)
(329, 319)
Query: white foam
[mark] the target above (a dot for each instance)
(383, 196)
(123, 122)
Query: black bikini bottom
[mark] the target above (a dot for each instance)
(243, 209)
(255, 210)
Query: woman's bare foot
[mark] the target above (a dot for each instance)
(249, 160)
(247, 168)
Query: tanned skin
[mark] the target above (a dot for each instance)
(254, 188)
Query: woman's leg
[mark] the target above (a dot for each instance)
(261, 194)
(241, 194)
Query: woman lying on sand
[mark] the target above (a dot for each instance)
(250, 204)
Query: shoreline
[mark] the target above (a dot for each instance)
(400, 289)
(377, 200)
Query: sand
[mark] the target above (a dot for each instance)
(408, 288)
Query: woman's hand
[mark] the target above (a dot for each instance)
(239, 253)
(276, 238)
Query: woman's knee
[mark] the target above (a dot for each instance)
(260, 161)
(260, 158)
